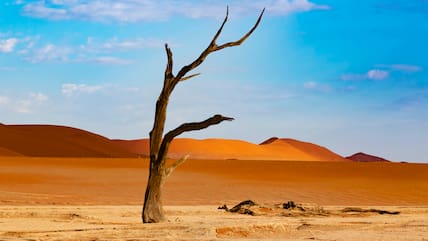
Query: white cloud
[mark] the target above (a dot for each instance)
(48, 53)
(8, 45)
(115, 44)
(73, 89)
(94, 46)
(312, 85)
(377, 74)
(382, 71)
(24, 105)
(408, 68)
(38, 97)
(152, 10)
(110, 60)
(373, 74)
(281, 7)
(88, 53)
(4, 100)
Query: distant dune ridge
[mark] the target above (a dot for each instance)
(56, 141)
(62, 141)
(363, 157)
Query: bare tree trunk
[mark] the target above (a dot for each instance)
(153, 210)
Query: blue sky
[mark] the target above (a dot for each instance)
(348, 75)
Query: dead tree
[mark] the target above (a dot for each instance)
(153, 209)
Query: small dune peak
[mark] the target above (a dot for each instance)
(363, 157)
(270, 140)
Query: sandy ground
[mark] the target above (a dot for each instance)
(81, 181)
(100, 199)
(204, 223)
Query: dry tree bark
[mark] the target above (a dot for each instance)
(158, 172)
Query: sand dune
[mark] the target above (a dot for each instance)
(56, 141)
(61, 141)
(276, 149)
(363, 157)
(303, 150)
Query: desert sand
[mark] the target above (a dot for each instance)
(212, 149)
(204, 223)
(61, 183)
(121, 181)
(101, 198)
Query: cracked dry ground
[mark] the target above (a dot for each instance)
(206, 223)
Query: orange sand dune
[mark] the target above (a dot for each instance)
(55, 141)
(276, 149)
(60, 141)
(311, 151)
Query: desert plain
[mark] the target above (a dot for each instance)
(100, 197)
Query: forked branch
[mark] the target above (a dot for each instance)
(212, 47)
(241, 40)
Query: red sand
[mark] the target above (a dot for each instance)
(59, 141)
(237, 170)
(56, 141)
(363, 157)
(209, 149)
(26, 180)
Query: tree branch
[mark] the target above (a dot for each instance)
(214, 40)
(212, 47)
(177, 163)
(186, 127)
(240, 41)
(168, 71)
(189, 77)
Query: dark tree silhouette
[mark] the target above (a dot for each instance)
(153, 209)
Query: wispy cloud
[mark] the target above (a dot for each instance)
(4, 100)
(312, 85)
(38, 97)
(24, 105)
(373, 74)
(48, 53)
(109, 60)
(74, 89)
(27, 105)
(407, 68)
(416, 101)
(92, 51)
(152, 10)
(283, 7)
(377, 74)
(382, 71)
(116, 44)
(93, 45)
(8, 45)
